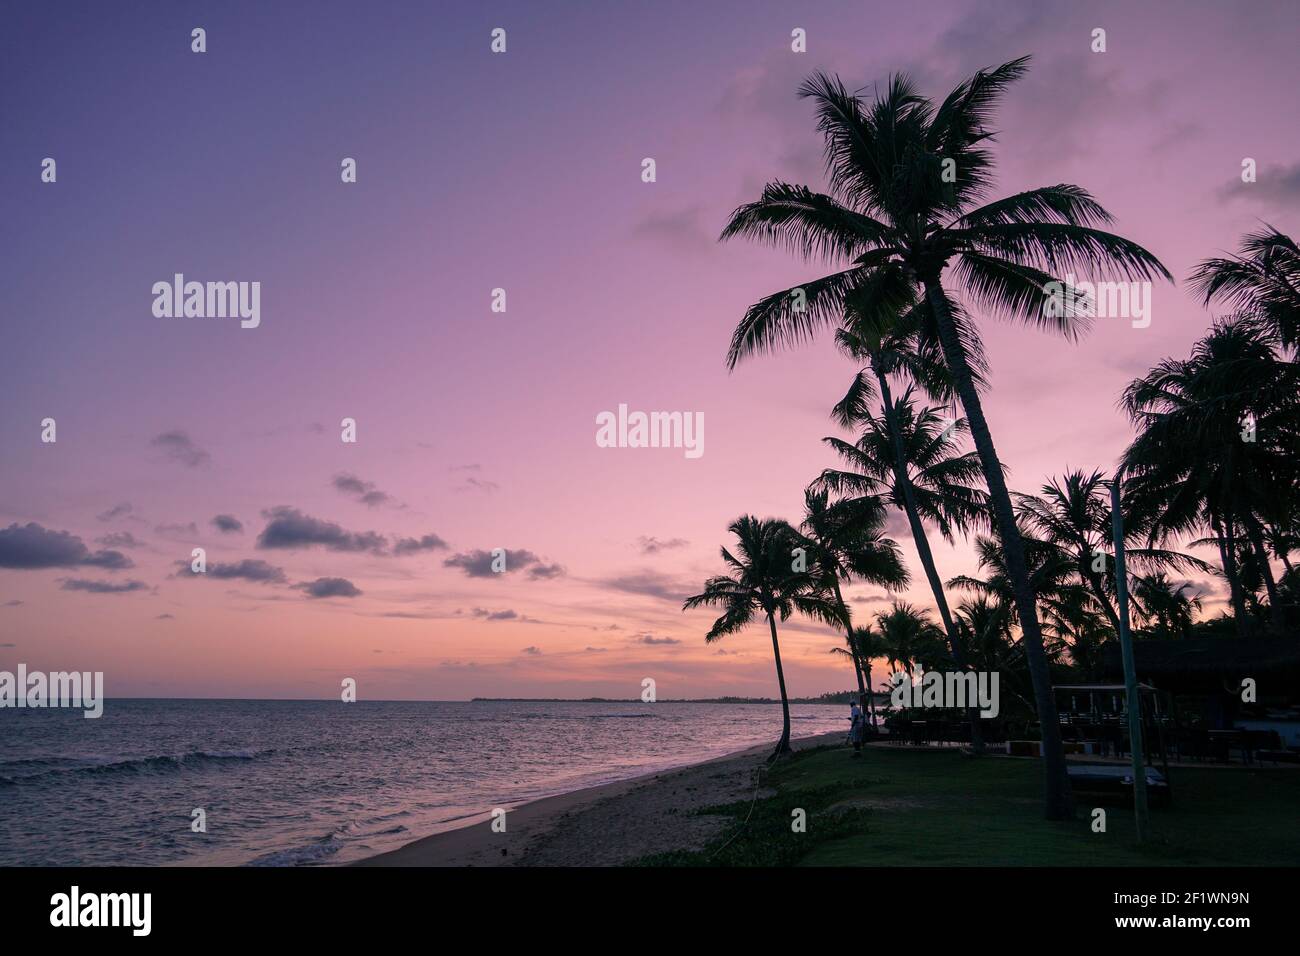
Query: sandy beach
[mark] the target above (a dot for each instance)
(607, 825)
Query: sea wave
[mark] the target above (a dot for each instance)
(318, 851)
(156, 763)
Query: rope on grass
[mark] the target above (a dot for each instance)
(758, 784)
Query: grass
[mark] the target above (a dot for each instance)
(908, 807)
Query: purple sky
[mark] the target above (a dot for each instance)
(519, 171)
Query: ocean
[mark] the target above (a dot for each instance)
(302, 783)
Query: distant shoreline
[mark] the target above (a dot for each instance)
(670, 700)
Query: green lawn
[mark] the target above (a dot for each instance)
(908, 807)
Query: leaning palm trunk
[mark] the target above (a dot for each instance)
(923, 551)
(1059, 800)
(783, 746)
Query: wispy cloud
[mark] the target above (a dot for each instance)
(103, 587)
(652, 545)
(363, 491)
(177, 446)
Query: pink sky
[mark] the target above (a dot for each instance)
(521, 171)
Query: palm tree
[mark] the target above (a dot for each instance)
(1051, 576)
(1193, 464)
(985, 625)
(846, 539)
(1167, 607)
(908, 637)
(1263, 280)
(1073, 513)
(905, 182)
(763, 580)
(910, 455)
(863, 644)
(1074, 622)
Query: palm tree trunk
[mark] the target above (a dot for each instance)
(1256, 533)
(904, 481)
(848, 632)
(871, 694)
(1279, 547)
(783, 746)
(1056, 785)
(1228, 555)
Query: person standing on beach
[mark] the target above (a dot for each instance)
(857, 727)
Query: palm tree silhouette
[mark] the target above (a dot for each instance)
(764, 580)
(1073, 513)
(1194, 464)
(1167, 606)
(905, 181)
(1263, 280)
(846, 539)
(863, 644)
(911, 456)
(908, 637)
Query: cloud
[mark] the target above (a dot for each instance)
(165, 617)
(102, 587)
(363, 491)
(1275, 184)
(228, 524)
(13, 603)
(478, 484)
(120, 539)
(329, 587)
(652, 545)
(650, 584)
(249, 569)
(290, 528)
(531, 651)
(651, 639)
(430, 542)
(595, 650)
(485, 614)
(31, 547)
(179, 447)
(185, 532)
(545, 572)
(478, 564)
(117, 511)
(681, 228)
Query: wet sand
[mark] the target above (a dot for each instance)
(608, 825)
